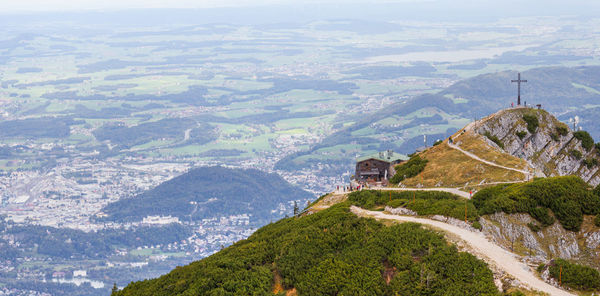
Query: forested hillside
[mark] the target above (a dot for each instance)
(332, 252)
(211, 192)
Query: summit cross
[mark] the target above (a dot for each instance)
(518, 81)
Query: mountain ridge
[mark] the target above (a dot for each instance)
(327, 251)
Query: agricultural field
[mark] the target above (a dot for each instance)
(92, 112)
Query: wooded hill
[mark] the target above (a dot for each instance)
(217, 192)
(332, 252)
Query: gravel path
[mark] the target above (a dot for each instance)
(482, 248)
(473, 156)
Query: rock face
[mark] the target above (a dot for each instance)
(550, 153)
(511, 230)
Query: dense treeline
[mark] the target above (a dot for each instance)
(411, 168)
(43, 127)
(332, 252)
(568, 198)
(574, 275)
(422, 202)
(72, 243)
(169, 128)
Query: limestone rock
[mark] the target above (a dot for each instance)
(547, 151)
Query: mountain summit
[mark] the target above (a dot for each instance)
(548, 145)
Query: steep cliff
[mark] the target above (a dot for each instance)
(548, 145)
(512, 231)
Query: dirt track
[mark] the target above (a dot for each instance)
(482, 247)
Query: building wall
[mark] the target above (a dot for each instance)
(367, 165)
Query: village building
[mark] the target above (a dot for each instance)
(377, 167)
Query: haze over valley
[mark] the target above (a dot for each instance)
(135, 140)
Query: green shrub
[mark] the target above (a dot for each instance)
(587, 141)
(562, 129)
(521, 134)
(575, 276)
(590, 162)
(494, 139)
(477, 225)
(414, 166)
(534, 226)
(332, 252)
(532, 122)
(568, 197)
(397, 203)
(576, 154)
(542, 215)
(541, 268)
(554, 137)
(597, 220)
(422, 202)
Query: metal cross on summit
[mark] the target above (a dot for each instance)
(518, 81)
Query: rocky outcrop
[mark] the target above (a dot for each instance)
(400, 211)
(550, 153)
(512, 232)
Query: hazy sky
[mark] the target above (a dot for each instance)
(64, 5)
(440, 7)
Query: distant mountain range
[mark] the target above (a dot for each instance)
(564, 92)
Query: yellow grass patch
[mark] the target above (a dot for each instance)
(477, 145)
(448, 167)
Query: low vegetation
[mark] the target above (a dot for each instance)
(422, 202)
(475, 144)
(332, 252)
(414, 166)
(576, 153)
(562, 130)
(521, 134)
(532, 122)
(590, 162)
(587, 141)
(575, 276)
(567, 198)
(494, 139)
(449, 167)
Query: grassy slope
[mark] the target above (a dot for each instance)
(477, 145)
(448, 167)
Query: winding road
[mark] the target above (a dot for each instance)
(482, 248)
